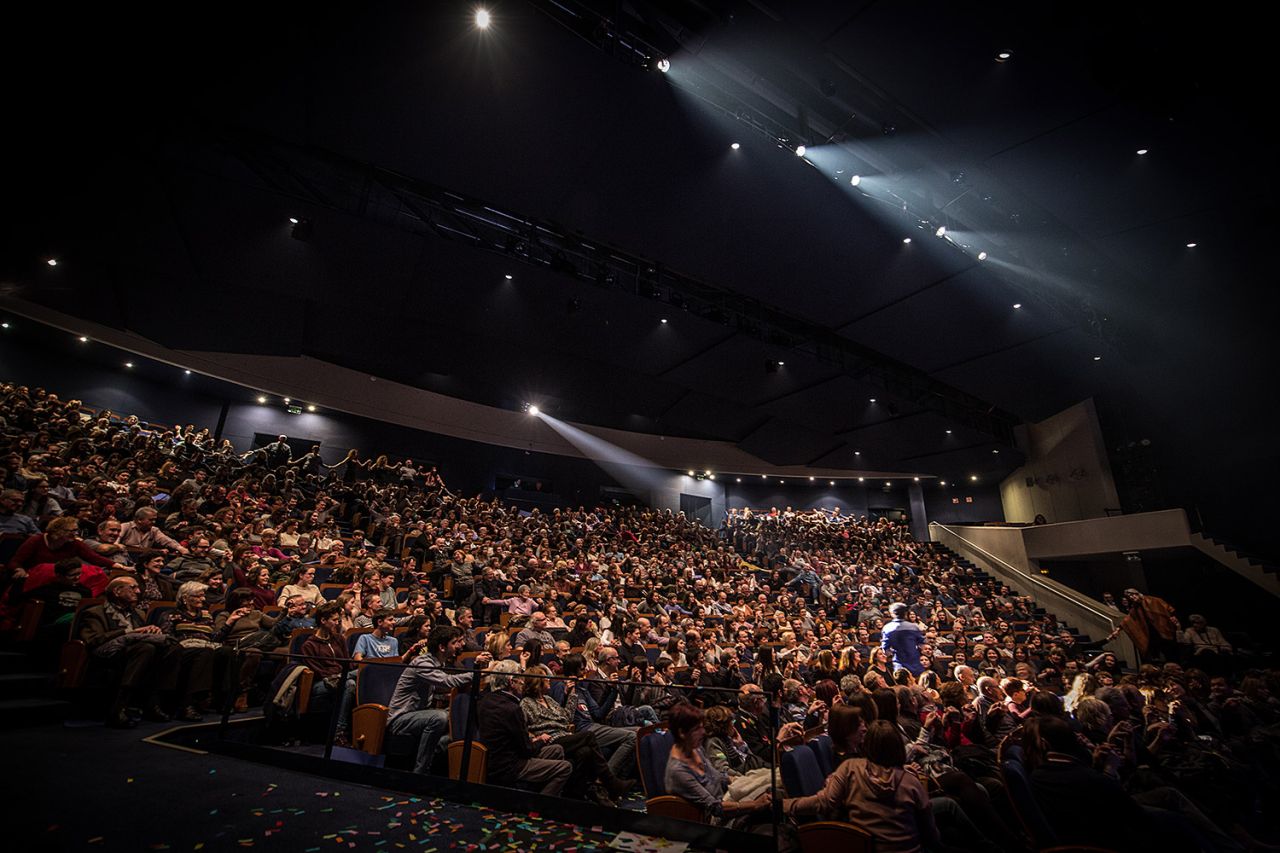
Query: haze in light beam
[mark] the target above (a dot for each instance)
(626, 468)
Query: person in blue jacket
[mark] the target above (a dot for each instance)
(902, 640)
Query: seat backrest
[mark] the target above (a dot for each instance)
(377, 681)
(459, 707)
(654, 749)
(678, 808)
(353, 636)
(297, 638)
(800, 773)
(1018, 785)
(825, 753)
(830, 836)
(331, 591)
(477, 764)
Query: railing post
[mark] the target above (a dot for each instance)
(470, 724)
(337, 707)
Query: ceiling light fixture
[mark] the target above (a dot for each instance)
(128, 364)
(831, 483)
(1142, 151)
(187, 372)
(690, 473)
(663, 321)
(483, 19)
(507, 276)
(735, 146)
(800, 149)
(261, 399)
(887, 484)
(906, 239)
(917, 479)
(1097, 358)
(287, 400)
(873, 399)
(855, 180)
(1191, 245)
(782, 364)
(53, 262)
(739, 479)
(83, 339)
(1017, 305)
(948, 432)
(973, 477)
(982, 256)
(862, 479)
(1004, 56)
(4, 325)
(311, 408)
(293, 220)
(534, 410)
(664, 65)
(941, 232)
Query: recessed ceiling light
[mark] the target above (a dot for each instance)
(735, 146)
(831, 483)
(782, 364)
(1191, 245)
(887, 483)
(948, 432)
(128, 364)
(857, 453)
(287, 400)
(483, 19)
(663, 321)
(906, 239)
(973, 477)
(711, 476)
(800, 149)
(917, 479)
(311, 408)
(811, 479)
(943, 483)
(764, 476)
(1017, 305)
(855, 180)
(1142, 151)
(1004, 56)
(53, 262)
(873, 399)
(293, 220)
(4, 325)
(739, 479)
(690, 473)
(1097, 358)
(862, 479)
(261, 399)
(941, 232)
(507, 276)
(982, 256)
(782, 482)
(187, 372)
(83, 339)
(664, 65)
(995, 451)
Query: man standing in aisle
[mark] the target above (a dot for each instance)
(902, 640)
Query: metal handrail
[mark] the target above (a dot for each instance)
(1063, 591)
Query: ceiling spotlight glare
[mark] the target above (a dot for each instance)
(664, 65)
(948, 432)
(287, 400)
(128, 364)
(739, 479)
(735, 146)
(293, 220)
(862, 479)
(53, 262)
(764, 476)
(507, 276)
(262, 399)
(1097, 358)
(973, 477)
(906, 239)
(1142, 152)
(982, 256)
(711, 476)
(1004, 56)
(887, 484)
(663, 321)
(941, 232)
(483, 19)
(83, 339)
(811, 479)
(943, 483)
(831, 482)
(800, 149)
(187, 372)
(534, 410)
(4, 325)
(311, 408)
(782, 364)
(1017, 305)
(855, 180)
(873, 399)
(1191, 245)
(857, 453)
(917, 479)
(690, 473)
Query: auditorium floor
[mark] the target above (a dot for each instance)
(92, 788)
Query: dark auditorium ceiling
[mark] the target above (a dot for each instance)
(162, 168)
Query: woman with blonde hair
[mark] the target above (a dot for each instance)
(498, 645)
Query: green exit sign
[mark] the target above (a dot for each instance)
(294, 410)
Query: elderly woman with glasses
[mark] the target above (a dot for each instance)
(203, 652)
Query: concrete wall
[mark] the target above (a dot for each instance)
(1141, 532)
(1067, 466)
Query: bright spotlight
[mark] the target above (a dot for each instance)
(83, 339)
(187, 372)
(311, 408)
(128, 364)
(811, 479)
(855, 180)
(735, 146)
(664, 65)
(261, 399)
(534, 410)
(982, 256)
(973, 477)
(941, 232)
(507, 276)
(1142, 152)
(862, 479)
(711, 476)
(906, 239)
(739, 479)
(1017, 305)
(831, 483)
(872, 400)
(664, 321)
(1097, 358)
(887, 484)
(287, 400)
(1003, 56)
(1191, 245)
(483, 19)
(293, 220)
(53, 262)
(800, 149)
(4, 325)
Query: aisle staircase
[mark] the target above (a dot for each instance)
(1260, 571)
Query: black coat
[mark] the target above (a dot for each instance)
(505, 734)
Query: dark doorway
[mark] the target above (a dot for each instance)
(696, 506)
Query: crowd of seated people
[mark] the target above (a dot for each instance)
(185, 569)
